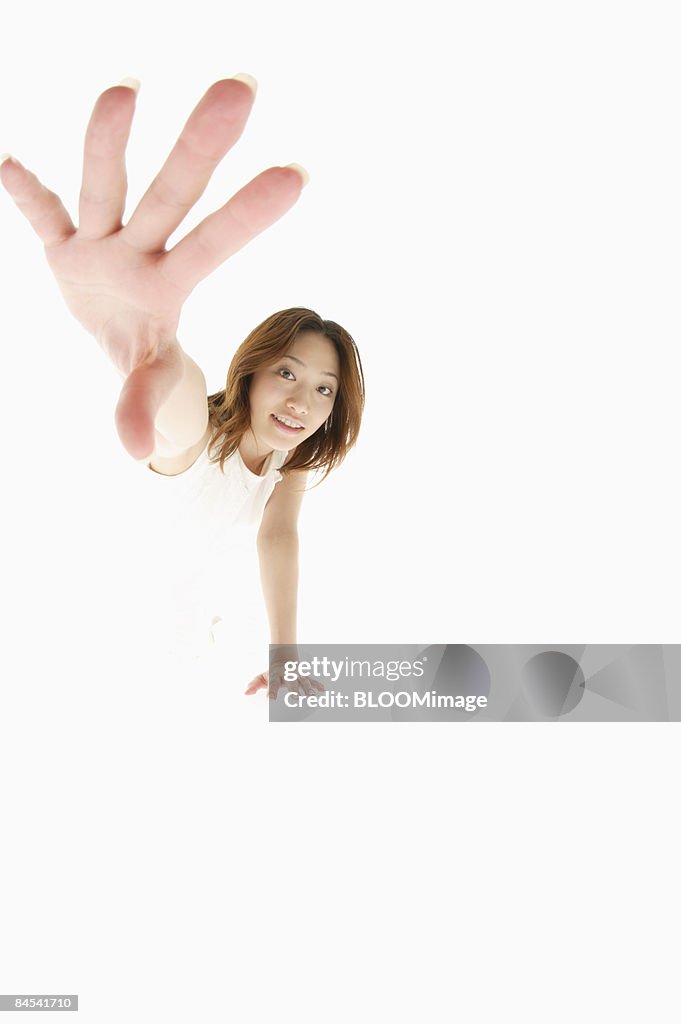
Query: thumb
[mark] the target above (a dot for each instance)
(145, 391)
(258, 683)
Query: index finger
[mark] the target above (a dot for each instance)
(253, 209)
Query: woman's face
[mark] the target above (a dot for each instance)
(299, 389)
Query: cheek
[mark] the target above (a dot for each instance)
(264, 396)
(322, 416)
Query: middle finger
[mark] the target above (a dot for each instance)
(213, 127)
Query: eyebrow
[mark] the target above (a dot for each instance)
(324, 373)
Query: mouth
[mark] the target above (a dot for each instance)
(286, 425)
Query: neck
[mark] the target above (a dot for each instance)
(253, 453)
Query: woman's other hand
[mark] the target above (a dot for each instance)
(118, 280)
(276, 681)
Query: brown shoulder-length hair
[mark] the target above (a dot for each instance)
(229, 410)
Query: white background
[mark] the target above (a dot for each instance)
(493, 213)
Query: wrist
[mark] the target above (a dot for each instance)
(283, 652)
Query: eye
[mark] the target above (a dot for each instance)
(284, 369)
(326, 391)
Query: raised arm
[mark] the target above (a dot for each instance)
(119, 281)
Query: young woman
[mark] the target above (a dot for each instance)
(294, 393)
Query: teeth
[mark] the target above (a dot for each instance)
(287, 423)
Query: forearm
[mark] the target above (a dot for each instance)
(183, 417)
(278, 557)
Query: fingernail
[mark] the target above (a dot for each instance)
(5, 156)
(301, 171)
(131, 83)
(248, 80)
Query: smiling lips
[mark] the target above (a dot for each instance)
(284, 423)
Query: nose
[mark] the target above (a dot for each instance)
(297, 403)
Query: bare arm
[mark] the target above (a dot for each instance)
(278, 556)
(278, 553)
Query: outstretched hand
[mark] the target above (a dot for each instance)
(119, 281)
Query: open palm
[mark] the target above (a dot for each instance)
(119, 281)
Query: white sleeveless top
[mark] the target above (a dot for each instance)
(236, 496)
(199, 566)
